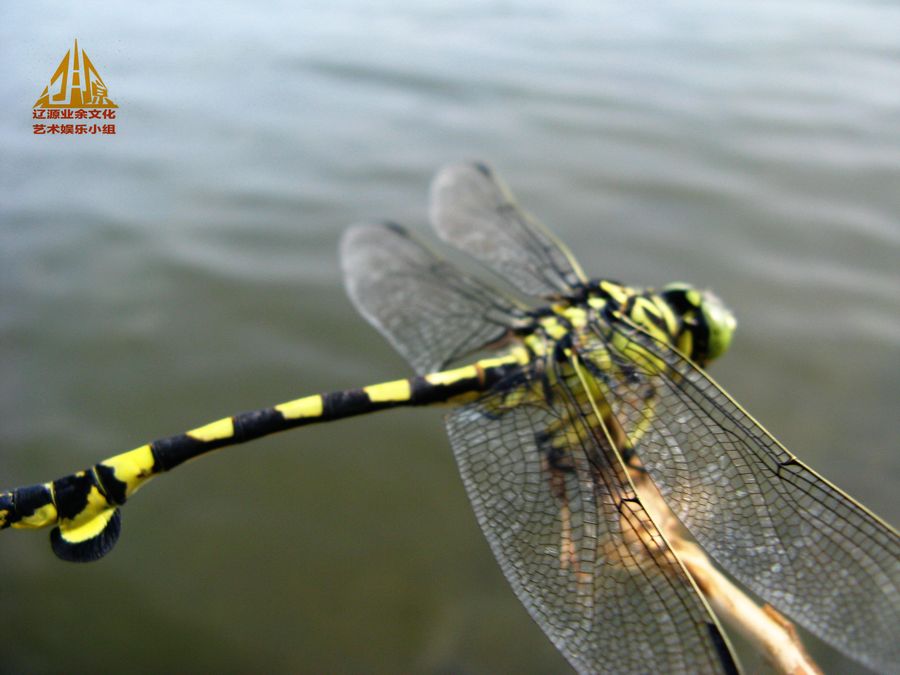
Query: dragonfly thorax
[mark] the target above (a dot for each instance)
(694, 321)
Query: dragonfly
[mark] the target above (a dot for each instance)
(563, 391)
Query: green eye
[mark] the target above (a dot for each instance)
(720, 324)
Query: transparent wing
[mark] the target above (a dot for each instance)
(473, 210)
(428, 309)
(579, 551)
(789, 535)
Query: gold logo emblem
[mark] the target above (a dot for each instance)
(75, 96)
(75, 84)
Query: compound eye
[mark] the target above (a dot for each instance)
(720, 325)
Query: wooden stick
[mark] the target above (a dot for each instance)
(769, 632)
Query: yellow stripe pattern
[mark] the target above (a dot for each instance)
(308, 406)
(397, 390)
(214, 431)
(90, 521)
(134, 468)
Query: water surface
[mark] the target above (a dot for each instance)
(186, 269)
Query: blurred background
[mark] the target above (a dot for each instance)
(186, 269)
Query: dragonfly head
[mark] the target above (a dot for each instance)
(706, 324)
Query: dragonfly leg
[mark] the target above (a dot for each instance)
(631, 459)
(558, 466)
(554, 465)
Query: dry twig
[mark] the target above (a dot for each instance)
(773, 635)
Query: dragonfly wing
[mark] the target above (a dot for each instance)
(579, 551)
(789, 535)
(430, 311)
(472, 209)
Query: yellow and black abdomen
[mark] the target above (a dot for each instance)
(88, 520)
(84, 506)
